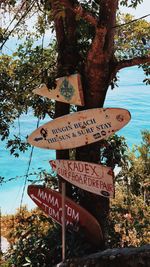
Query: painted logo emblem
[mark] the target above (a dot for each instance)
(67, 90)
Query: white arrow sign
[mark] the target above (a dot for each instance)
(95, 178)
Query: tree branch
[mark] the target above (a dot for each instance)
(132, 62)
(60, 35)
(81, 12)
(107, 18)
(87, 16)
(131, 21)
(95, 53)
(72, 54)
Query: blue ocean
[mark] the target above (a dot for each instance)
(131, 94)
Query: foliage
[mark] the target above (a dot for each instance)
(129, 37)
(34, 234)
(19, 75)
(29, 66)
(147, 73)
(130, 211)
(129, 219)
(36, 241)
(131, 3)
(136, 172)
(113, 152)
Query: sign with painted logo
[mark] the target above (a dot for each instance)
(95, 178)
(50, 202)
(79, 128)
(68, 90)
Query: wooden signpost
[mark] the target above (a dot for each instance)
(68, 90)
(91, 177)
(80, 128)
(51, 203)
(71, 131)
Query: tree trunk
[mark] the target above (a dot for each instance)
(66, 64)
(95, 77)
(94, 98)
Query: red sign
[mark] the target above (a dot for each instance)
(51, 203)
(79, 128)
(92, 177)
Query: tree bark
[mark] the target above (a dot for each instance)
(66, 63)
(97, 73)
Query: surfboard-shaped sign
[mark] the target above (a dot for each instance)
(95, 178)
(68, 90)
(50, 202)
(79, 128)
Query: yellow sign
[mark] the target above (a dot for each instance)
(80, 128)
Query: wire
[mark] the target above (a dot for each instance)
(14, 178)
(18, 177)
(28, 168)
(132, 21)
(26, 176)
(31, 154)
(35, 181)
(7, 49)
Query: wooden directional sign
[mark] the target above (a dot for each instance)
(80, 128)
(94, 178)
(68, 90)
(50, 202)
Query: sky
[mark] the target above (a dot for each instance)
(142, 10)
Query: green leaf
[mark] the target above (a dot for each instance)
(28, 259)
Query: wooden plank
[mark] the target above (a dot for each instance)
(50, 202)
(95, 178)
(68, 90)
(79, 128)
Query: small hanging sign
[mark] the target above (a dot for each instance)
(95, 178)
(79, 128)
(50, 202)
(68, 90)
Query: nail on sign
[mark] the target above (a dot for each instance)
(50, 202)
(79, 128)
(68, 90)
(94, 178)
